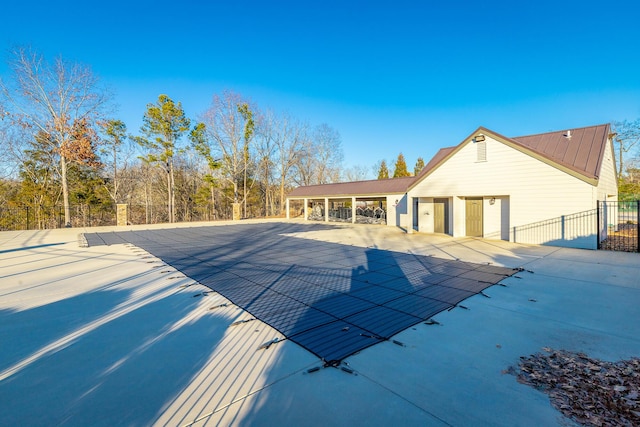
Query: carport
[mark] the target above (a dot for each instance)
(375, 201)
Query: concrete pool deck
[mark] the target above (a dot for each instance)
(110, 335)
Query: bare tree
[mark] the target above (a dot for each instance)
(328, 149)
(225, 126)
(61, 99)
(356, 173)
(626, 136)
(320, 158)
(290, 137)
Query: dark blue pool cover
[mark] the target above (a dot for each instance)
(332, 299)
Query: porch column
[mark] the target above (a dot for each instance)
(306, 209)
(409, 214)
(353, 210)
(287, 209)
(326, 209)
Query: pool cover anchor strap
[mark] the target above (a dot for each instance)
(268, 344)
(240, 322)
(375, 337)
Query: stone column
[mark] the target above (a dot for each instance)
(121, 214)
(236, 211)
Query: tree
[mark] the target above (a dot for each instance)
(200, 143)
(249, 127)
(383, 171)
(226, 126)
(400, 168)
(321, 157)
(164, 124)
(116, 134)
(626, 136)
(290, 137)
(267, 150)
(356, 173)
(62, 100)
(419, 166)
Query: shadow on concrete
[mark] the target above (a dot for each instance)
(127, 369)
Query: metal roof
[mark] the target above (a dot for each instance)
(579, 151)
(356, 188)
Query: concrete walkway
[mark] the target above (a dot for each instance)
(110, 335)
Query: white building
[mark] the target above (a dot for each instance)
(540, 188)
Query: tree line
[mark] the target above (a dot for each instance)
(61, 145)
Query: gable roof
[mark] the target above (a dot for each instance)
(357, 188)
(578, 151)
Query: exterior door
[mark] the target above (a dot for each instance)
(474, 217)
(440, 216)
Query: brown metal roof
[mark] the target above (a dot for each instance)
(357, 188)
(435, 161)
(580, 152)
(580, 149)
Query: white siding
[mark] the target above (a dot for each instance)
(425, 215)
(607, 183)
(496, 218)
(397, 210)
(531, 190)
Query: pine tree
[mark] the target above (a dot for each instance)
(400, 167)
(163, 124)
(419, 166)
(383, 171)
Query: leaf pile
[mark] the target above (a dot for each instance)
(590, 391)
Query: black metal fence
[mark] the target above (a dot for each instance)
(618, 226)
(48, 217)
(613, 225)
(577, 230)
(87, 215)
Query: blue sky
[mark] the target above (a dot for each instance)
(407, 76)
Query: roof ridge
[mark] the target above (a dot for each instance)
(557, 131)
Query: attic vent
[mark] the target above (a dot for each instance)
(568, 134)
(481, 151)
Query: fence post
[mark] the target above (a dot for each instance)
(638, 225)
(598, 224)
